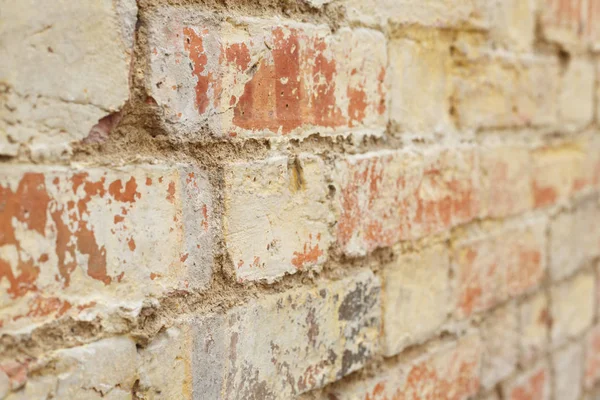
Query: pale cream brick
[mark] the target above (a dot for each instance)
(276, 218)
(574, 239)
(255, 77)
(534, 324)
(276, 346)
(592, 357)
(577, 91)
(62, 73)
(576, 294)
(85, 243)
(512, 23)
(506, 172)
(534, 383)
(101, 370)
(416, 297)
(431, 13)
(500, 338)
(421, 83)
(450, 370)
(494, 91)
(567, 364)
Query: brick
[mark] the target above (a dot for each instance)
(276, 216)
(567, 364)
(531, 384)
(534, 327)
(89, 65)
(577, 293)
(163, 372)
(103, 369)
(509, 91)
(450, 371)
(570, 23)
(592, 357)
(387, 196)
(490, 268)
(574, 239)
(429, 13)
(512, 23)
(421, 83)
(500, 337)
(506, 172)
(255, 77)
(282, 345)
(416, 297)
(79, 243)
(558, 173)
(577, 93)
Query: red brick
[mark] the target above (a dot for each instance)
(265, 77)
(533, 384)
(84, 242)
(490, 268)
(448, 372)
(386, 197)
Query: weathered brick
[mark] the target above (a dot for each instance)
(430, 13)
(574, 239)
(103, 369)
(421, 83)
(500, 338)
(281, 345)
(532, 384)
(506, 172)
(450, 371)
(567, 364)
(498, 92)
(82, 242)
(577, 93)
(387, 196)
(534, 327)
(489, 268)
(578, 293)
(558, 173)
(512, 23)
(416, 297)
(276, 216)
(592, 357)
(264, 77)
(570, 23)
(88, 65)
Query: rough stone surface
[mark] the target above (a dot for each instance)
(534, 323)
(577, 293)
(567, 364)
(500, 338)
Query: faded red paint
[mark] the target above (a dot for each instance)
(131, 244)
(171, 192)
(526, 270)
(310, 255)
(28, 205)
(239, 55)
(205, 217)
(543, 195)
(426, 381)
(194, 45)
(129, 194)
(534, 387)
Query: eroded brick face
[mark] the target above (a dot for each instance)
(70, 235)
(260, 77)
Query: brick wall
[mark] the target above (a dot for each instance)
(313, 199)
